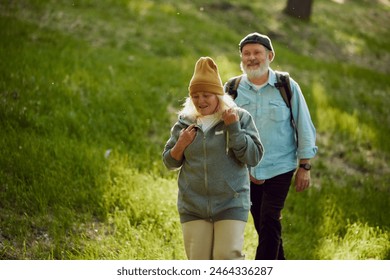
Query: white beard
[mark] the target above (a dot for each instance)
(255, 73)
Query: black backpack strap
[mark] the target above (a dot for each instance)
(232, 85)
(283, 84)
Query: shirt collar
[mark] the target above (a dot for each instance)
(271, 80)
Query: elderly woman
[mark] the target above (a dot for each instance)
(213, 143)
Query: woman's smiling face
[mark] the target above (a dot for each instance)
(205, 103)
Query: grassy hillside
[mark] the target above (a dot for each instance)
(89, 92)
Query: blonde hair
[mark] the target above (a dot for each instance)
(189, 110)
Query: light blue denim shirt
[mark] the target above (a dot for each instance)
(272, 119)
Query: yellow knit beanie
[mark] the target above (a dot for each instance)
(206, 77)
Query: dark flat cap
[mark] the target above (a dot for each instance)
(256, 38)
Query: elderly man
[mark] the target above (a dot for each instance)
(287, 148)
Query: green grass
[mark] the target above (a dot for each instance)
(88, 94)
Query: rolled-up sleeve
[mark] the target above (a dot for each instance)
(306, 131)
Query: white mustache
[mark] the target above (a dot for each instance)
(252, 62)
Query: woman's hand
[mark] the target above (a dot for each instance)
(187, 135)
(185, 138)
(230, 116)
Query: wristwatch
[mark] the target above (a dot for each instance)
(306, 166)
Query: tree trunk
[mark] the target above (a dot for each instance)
(299, 8)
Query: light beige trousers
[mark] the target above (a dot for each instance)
(222, 240)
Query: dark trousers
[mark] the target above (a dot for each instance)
(267, 203)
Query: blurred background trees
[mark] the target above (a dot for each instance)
(299, 8)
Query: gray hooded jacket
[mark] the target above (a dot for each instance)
(213, 179)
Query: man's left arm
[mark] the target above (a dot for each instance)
(307, 148)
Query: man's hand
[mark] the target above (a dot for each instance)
(302, 179)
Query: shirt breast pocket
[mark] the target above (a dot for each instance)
(247, 105)
(278, 111)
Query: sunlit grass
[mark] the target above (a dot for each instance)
(360, 242)
(141, 218)
(341, 233)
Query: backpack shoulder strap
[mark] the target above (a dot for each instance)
(232, 85)
(283, 84)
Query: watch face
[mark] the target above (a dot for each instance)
(306, 166)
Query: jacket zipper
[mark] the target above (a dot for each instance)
(206, 182)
